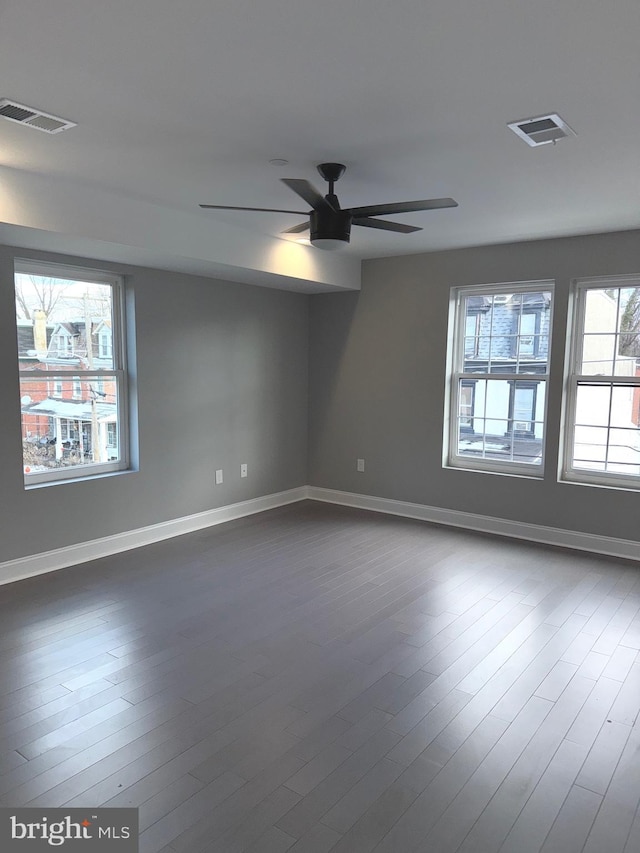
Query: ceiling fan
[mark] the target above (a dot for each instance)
(330, 225)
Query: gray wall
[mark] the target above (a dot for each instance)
(377, 374)
(229, 373)
(221, 378)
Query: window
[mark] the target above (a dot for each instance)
(499, 375)
(522, 408)
(73, 394)
(602, 413)
(104, 342)
(528, 327)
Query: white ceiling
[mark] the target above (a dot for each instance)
(181, 103)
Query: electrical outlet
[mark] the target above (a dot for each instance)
(243, 469)
(360, 465)
(219, 477)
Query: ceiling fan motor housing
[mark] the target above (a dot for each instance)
(330, 225)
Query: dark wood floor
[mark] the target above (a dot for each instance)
(317, 678)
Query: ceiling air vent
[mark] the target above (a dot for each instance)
(32, 117)
(541, 130)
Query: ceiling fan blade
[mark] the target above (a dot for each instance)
(403, 207)
(309, 193)
(297, 229)
(384, 225)
(259, 209)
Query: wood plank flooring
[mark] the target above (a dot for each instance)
(318, 678)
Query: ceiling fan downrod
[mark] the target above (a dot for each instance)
(331, 172)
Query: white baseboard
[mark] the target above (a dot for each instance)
(61, 558)
(49, 561)
(609, 546)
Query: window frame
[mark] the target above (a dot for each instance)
(118, 371)
(456, 377)
(573, 379)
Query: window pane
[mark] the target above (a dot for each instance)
(625, 470)
(601, 310)
(61, 430)
(598, 355)
(507, 333)
(501, 419)
(608, 405)
(527, 337)
(64, 323)
(502, 353)
(590, 447)
(624, 406)
(625, 365)
(466, 405)
(477, 353)
(528, 345)
(600, 449)
(624, 447)
(611, 343)
(523, 407)
(527, 451)
(471, 347)
(592, 442)
(588, 465)
(593, 404)
(472, 325)
(629, 323)
(505, 446)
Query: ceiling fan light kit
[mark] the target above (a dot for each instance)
(330, 229)
(329, 224)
